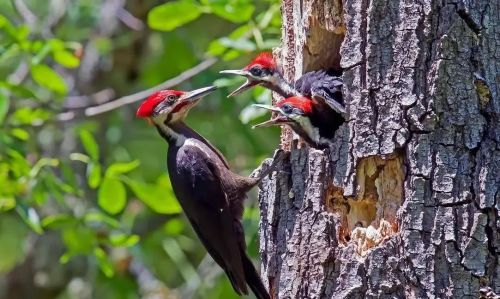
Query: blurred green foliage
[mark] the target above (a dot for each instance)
(94, 190)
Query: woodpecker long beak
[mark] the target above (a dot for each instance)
(190, 98)
(235, 72)
(247, 85)
(268, 107)
(280, 119)
(197, 94)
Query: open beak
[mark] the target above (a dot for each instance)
(247, 85)
(280, 119)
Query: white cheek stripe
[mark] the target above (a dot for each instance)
(310, 130)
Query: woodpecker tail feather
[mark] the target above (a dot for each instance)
(253, 279)
(239, 286)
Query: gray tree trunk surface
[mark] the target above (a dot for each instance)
(405, 204)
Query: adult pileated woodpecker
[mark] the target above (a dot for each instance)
(210, 194)
(305, 119)
(325, 87)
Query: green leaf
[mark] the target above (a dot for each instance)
(4, 106)
(18, 90)
(171, 15)
(174, 227)
(30, 217)
(112, 196)
(121, 168)
(238, 44)
(59, 221)
(159, 198)
(7, 203)
(79, 240)
(12, 241)
(30, 116)
(48, 78)
(66, 58)
(93, 175)
(121, 239)
(103, 261)
(20, 134)
(236, 11)
(102, 218)
(90, 145)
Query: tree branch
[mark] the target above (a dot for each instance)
(129, 99)
(23, 10)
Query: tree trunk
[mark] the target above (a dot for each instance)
(405, 203)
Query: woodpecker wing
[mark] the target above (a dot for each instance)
(195, 174)
(323, 86)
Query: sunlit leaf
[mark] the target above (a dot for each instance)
(239, 44)
(104, 263)
(66, 58)
(158, 198)
(229, 81)
(48, 78)
(236, 11)
(174, 227)
(20, 134)
(112, 196)
(93, 175)
(7, 203)
(250, 113)
(43, 162)
(231, 54)
(22, 32)
(121, 239)
(30, 116)
(216, 48)
(90, 145)
(101, 218)
(79, 239)
(171, 15)
(30, 217)
(79, 157)
(122, 168)
(59, 221)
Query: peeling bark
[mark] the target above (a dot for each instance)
(405, 203)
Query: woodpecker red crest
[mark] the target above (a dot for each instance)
(302, 103)
(147, 107)
(264, 59)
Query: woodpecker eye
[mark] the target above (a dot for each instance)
(171, 98)
(256, 71)
(287, 108)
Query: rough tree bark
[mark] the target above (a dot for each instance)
(406, 201)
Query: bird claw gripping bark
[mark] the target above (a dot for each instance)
(265, 169)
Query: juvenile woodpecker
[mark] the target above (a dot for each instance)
(323, 86)
(316, 127)
(210, 194)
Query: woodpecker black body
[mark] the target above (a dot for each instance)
(210, 194)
